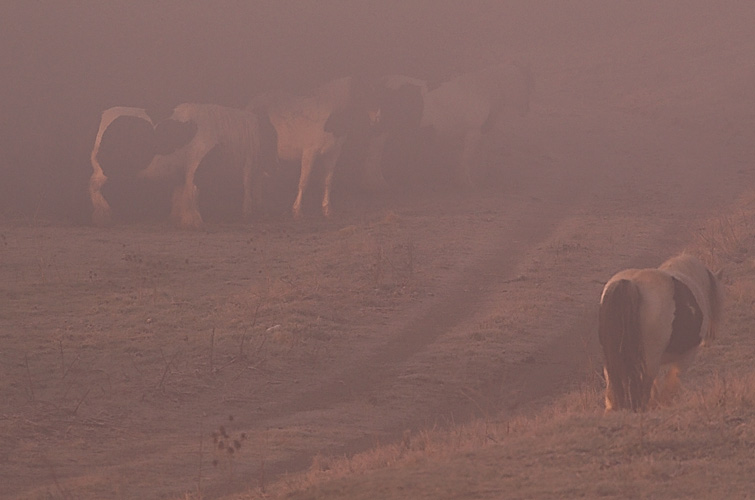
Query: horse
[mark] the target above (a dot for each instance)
(315, 126)
(176, 147)
(394, 140)
(651, 319)
(123, 145)
(462, 111)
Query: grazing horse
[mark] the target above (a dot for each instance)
(651, 318)
(401, 101)
(176, 147)
(465, 109)
(312, 127)
(118, 157)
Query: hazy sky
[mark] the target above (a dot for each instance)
(63, 62)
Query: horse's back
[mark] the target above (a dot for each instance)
(689, 270)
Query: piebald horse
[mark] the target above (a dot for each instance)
(108, 161)
(654, 318)
(174, 149)
(315, 126)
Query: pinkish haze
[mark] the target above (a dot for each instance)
(62, 63)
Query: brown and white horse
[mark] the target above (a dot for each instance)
(654, 318)
(315, 126)
(174, 149)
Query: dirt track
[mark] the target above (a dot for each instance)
(123, 350)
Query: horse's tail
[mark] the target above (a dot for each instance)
(621, 338)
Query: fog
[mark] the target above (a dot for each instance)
(406, 312)
(62, 63)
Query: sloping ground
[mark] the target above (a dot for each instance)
(698, 446)
(701, 448)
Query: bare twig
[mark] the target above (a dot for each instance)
(28, 374)
(75, 360)
(199, 472)
(241, 344)
(76, 409)
(259, 347)
(212, 351)
(167, 368)
(254, 323)
(62, 359)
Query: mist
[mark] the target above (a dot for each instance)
(61, 64)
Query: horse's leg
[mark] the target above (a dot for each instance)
(184, 211)
(669, 385)
(308, 158)
(101, 213)
(372, 173)
(252, 190)
(469, 156)
(609, 391)
(330, 167)
(665, 386)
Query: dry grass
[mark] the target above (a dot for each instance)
(698, 445)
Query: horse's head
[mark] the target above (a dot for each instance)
(125, 148)
(359, 112)
(399, 109)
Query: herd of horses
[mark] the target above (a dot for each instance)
(379, 115)
(651, 321)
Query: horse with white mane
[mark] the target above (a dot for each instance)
(654, 318)
(176, 148)
(315, 126)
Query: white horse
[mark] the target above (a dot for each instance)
(653, 318)
(179, 144)
(315, 127)
(464, 109)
